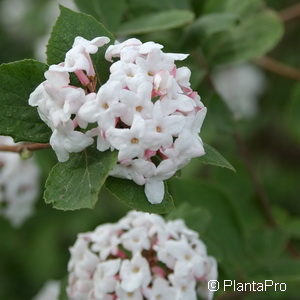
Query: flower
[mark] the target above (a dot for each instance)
(59, 102)
(78, 57)
(19, 185)
(50, 291)
(150, 259)
(241, 86)
(146, 110)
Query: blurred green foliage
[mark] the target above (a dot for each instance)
(225, 207)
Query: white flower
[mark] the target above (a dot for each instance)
(161, 290)
(124, 295)
(211, 272)
(104, 277)
(155, 190)
(137, 170)
(165, 127)
(137, 104)
(240, 86)
(185, 287)
(78, 58)
(105, 240)
(136, 240)
(104, 107)
(131, 142)
(122, 49)
(135, 273)
(50, 291)
(65, 140)
(19, 185)
(148, 260)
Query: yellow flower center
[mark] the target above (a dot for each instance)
(134, 141)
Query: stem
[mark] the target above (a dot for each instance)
(233, 295)
(290, 13)
(279, 68)
(25, 146)
(259, 189)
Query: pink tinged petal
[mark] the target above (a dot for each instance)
(155, 191)
(121, 254)
(149, 153)
(84, 80)
(158, 271)
(174, 72)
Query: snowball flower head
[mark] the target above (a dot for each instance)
(140, 257)
(19, 185)
(146, 110)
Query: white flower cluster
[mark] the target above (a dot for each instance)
(140, 257)
(147, 110)
(19, 185)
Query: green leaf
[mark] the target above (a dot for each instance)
(233, 6)
(70, 25)
(76, 184)
(140, 7)
(213, 157)
(223, 233)
(17, 118)
(158, 21)
(207, 26)
(133, 196)
(196, 218)
(213, 23)
(252, 37)
(108, 12)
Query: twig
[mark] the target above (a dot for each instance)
(19, 148)
(279, 68)
(261, 194)
(290, 13)
(233, 295)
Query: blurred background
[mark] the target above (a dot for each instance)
(250, 219)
